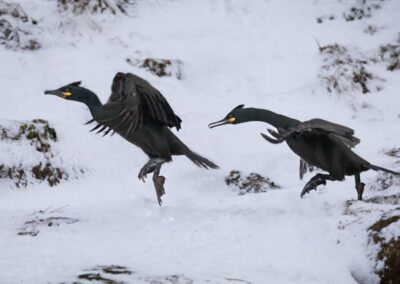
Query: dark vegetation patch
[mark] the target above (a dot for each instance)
(393, 199)
(168, 279)
(31, 227)
(48, 173)
(16, 173)
(106, 274)
(352, 208)
(345, 71)
(115, 269)
(35, 136)
(19, 174)
(387, 203)
(44, 219)
(98, 278)
(389, 250)
(252, 183)
(237, 280)
(384, 242)
(394, 152)
(386, 180)
(371, 29)
(79, 7)
(362, 9)
(116, 274)
(38, 132)
(15, 28)
(390, 54)
(325, 18)
(159, 67)
(358, 10)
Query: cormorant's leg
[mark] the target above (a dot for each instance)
(154, 165)
(149, 167)
(317, 180)
(359, 186)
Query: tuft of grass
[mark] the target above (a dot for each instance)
(252, 183)
(15, 28)
(159, 67)
(346, 72)
(386, 180)
(40, 136)
(79, 7)
(390, 54)
(362, 9)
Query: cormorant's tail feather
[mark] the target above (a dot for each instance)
(377, 168)
(200, 161)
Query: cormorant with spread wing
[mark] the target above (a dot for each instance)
(140, 114)
(318, 142)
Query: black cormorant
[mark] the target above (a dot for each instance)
(319, 143)
(140, 114)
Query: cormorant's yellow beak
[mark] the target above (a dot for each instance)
(58, 93)
(222, 122)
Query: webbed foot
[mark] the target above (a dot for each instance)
(159, 187)
(143, 174)
(146, 169)
(312, 185)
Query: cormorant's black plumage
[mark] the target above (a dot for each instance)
(140, 114)
(318, 142)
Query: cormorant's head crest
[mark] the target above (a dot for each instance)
(233, 117)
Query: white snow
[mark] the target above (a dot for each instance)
(260, 53)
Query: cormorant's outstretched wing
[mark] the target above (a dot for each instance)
(157, 105)
(122, 116)
(132, 100)
(152, 103)
(345, 134)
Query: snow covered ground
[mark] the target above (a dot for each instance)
(260, 53)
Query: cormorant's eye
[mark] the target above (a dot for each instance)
(67, 92)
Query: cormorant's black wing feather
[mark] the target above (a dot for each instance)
(121, 116)
(152, 101)
(317, 125)
(345, 134)
(131, 100)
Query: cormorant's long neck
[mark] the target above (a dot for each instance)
(276, 120)
(91, 100)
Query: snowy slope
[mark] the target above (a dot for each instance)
(260, 53)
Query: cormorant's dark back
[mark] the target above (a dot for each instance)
(140, 114)
(319, 143)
